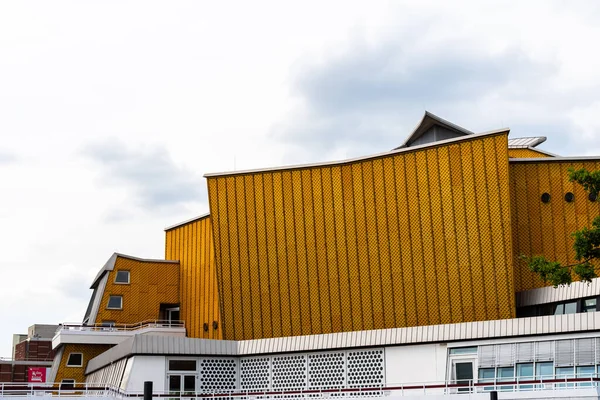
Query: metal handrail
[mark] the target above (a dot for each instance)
(122, 327)
(106, 390)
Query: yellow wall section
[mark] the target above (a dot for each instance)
(544, 229)
(192, 245)
(151, 284)
(89, 351)
(526, 153)
(414, 238)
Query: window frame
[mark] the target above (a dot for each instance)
(72, 365)
(116, 282)
(108, 307)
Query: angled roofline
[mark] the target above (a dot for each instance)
(363, 158)
(420, 129)
(187, 221)
(553, 159)
(534, 149)
(110, 264)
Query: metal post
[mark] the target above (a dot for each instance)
(493, 395)
(148, 390)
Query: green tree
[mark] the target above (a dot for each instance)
(586, 242)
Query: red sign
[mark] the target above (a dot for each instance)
(36, 374)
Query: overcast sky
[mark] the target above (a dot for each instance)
(111, 111)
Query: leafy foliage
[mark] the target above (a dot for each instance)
(586, 243)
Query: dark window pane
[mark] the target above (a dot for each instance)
(67, 384)
(122, 277)
(174, 383)
(75, 360)
(189, 383)
(115, 302)
(182, 365)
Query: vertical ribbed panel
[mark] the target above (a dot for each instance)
(525, 352)
(544, 351)
(544, 228)
(486, 356)
(192, 245)
(585, 351)
(421, 234)
(564, 353)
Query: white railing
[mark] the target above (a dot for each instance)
(121, 327)
(26, 390)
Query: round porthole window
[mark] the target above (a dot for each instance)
(569, 197)
(546, 198)
(593, 196)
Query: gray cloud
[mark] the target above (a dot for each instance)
(368, 100)
(156, 181)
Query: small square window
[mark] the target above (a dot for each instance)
(75, 360)
(115, 303)
(122, 277)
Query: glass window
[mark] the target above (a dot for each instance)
(524, 373)
(587, 372)
(565, 372)
(182, 365)
(115, 303)
(67, 384)
(174, 383)
(559, 309)
(122, 277)
(464, 350)
(487, 375)
(75, 360)
(189, 383)
(544, 370)
(506, 374)
(571, 307)
(589, 305)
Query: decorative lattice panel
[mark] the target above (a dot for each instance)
(289, 372)
(218, 374)
(366, 368)
(254, 373)
(326, 370)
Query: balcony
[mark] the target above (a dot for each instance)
(114, 334)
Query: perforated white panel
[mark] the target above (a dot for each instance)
(289, 372)
(326, 370)
(366, 368)
(255, 373)
(218, 374)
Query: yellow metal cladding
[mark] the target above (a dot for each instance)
(544, 228)
(151, 284)
(410, 238)
(192, 245)
(526, 153)
(88, 351)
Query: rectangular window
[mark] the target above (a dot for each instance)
(525, 373)
(464, 350)
(115, 303)
(589, 305)
(565, 372)
(587, 372)
(75, 360)
(505, 374)
(486, 375)
(182, 365)
(67, 384)
(122, 277)
(571, 307)
(544, 370)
